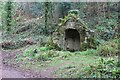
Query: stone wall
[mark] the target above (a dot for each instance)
(68, 39)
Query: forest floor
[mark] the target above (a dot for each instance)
(58, 67)
(48, 69)
(12, 70)
(5, 70)
(64, 65)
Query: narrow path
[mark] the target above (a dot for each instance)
(11, 73)
(8, 72)
(0, 56)
(0, 65)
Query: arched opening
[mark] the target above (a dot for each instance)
(72, 40)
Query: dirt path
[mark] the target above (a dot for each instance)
(0, 65)
(14, 71)
(11, 73)
(6, 72)
(0, 57)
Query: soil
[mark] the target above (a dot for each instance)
(5, 70)
(11, 73)
(11, 70)
(8, 70)
(0, 65)
(14, 71)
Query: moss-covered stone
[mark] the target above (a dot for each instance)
(73, 34)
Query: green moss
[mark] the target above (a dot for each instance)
(72, 17)
(83, 46)
(76, 12)
(50, 43)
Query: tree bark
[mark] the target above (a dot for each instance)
(8, 16)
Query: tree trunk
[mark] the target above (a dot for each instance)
(8, 16)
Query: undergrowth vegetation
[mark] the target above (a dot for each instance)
(41, 54)
(105, 68)
(108, 48)
(87, 52)
(46, 53)
(19, 28)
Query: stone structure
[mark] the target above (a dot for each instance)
(73, 35)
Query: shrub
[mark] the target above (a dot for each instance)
(109, 48)
(105, 68)
(52, 45)
(44, 48)
(88, 52)
(36, 52)
(44, 56)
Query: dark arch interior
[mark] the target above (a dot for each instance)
(72, 40)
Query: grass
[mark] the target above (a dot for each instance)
(66, 64)
(64, 68)
(75, 65)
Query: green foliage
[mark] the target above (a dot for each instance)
(50, 55)
(108, 48)
(6, 14)
(28, 52)
(76, 12)
(99, 41)
(33, 53)
(88, 52)
(44, 48)
(105, 68)
(42, 54)
(45, 53)
(70, 16)
(51, 45)
(68, 70)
